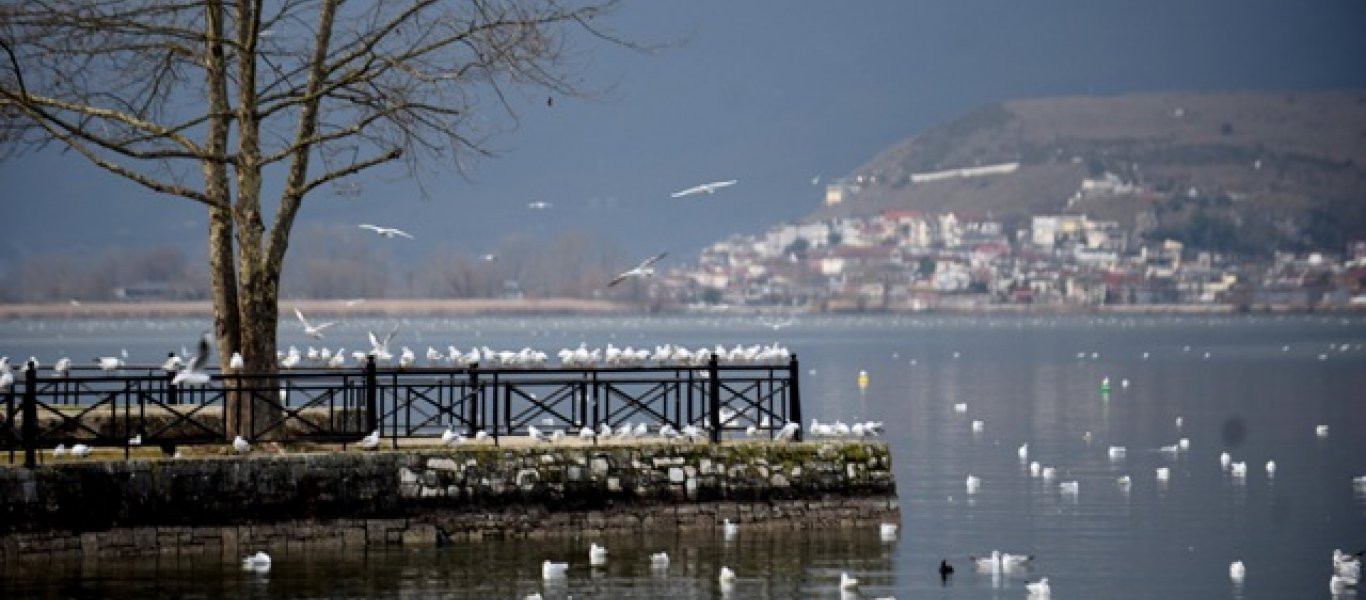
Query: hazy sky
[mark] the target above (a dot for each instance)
(771, 93)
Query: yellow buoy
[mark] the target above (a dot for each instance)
(862, 380)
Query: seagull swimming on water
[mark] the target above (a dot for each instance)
(313, 331)
(386, 232)
(1038, 589)
(554, 570)
(644, 269)
(257, 562)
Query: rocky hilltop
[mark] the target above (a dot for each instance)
(1244, 173)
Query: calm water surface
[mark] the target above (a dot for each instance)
(1253, 386)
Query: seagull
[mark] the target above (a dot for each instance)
(380, 349)
(110, 363)
(1023, 452)
(449, 436)
(190, 374)
(960, 407)
(1117, 452)
(173, 362)
(539, 205)
(847, 582)
(1069, 487)
(707, 188)
(1339, 585)
(1038, 589)
(1321, 431)
(978, 426)
(1015, 561)
(973, 483)
(729, 529)
(1236, 570)
(80, 450)
(644, 269)
(313, 331)
(727, 576)
(387, 232)
(240, 445)
(888, 531)
(370, 442)
(554, 570)
(62, 366)
(597, 555)
(59, 451)
(987, 563)
(135, 440)
(236, 362)
(659, 560)
(257, 562)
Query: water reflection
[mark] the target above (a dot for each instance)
(768, 564)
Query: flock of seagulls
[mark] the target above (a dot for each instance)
(527, 357)
(1346, 572)
(1346, 567)
(556, 572)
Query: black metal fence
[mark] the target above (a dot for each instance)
(106, 409)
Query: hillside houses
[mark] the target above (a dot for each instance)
(907, 260)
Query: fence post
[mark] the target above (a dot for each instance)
(714, 399)
(30, 409)
(794, 395)
(476, 399)
(371, 401)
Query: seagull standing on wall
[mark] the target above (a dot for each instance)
(387, 232)
(645, 269)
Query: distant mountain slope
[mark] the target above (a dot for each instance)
(1237, 172)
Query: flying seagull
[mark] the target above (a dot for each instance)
(539, 205)
(190, 373)
(709, 188)
(313, 331)
(388, 232)
(644, 269)
(380, 348)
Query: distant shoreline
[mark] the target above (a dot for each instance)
(569, 306)
(377, 307)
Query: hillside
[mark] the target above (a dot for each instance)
(1240, 172)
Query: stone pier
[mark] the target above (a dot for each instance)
(231, 505)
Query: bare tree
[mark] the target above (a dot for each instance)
(206, 99)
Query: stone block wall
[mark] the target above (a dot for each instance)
(431, 496)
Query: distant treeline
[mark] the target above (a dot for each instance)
(336, 262)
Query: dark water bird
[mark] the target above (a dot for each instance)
(945, 572)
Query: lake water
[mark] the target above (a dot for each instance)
(1255, 386)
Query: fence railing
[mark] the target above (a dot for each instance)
(134, 406)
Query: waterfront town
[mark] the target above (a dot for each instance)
(908, 260)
